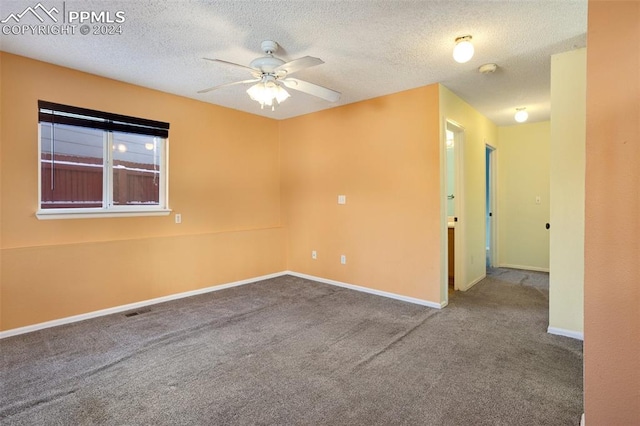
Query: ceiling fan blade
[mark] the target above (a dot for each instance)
(253, 80)
(312, 89)
(299, 64)
(231, 63)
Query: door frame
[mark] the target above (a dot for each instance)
(459, 250)
(493, 203)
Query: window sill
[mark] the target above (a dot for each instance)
(87, 214)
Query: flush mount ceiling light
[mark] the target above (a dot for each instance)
(463, 51)
(268, 92)
(521, 115)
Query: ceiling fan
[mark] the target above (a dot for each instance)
(270, 74)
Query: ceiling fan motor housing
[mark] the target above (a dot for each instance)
(266, 64)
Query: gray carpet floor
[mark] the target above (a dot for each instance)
(289, 351)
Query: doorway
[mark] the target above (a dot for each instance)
(450, 186)
(490, 205)
(453, 199)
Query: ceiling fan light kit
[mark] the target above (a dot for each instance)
(463, 50)
(270, 74)
(268, 92)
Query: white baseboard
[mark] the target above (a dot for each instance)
(136, 305)
(474, 282)
(567, 333)
(131, 306)
(524, 267)
(370, 290)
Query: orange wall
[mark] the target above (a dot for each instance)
(383, 154)
(227, 171)
(224, 180)
(1, 296)
(612, 215)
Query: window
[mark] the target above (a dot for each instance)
(94, 163)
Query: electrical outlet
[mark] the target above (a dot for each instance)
(342, 199)
(538, 200)
(314, 254)
(343, 259)
(178, 218)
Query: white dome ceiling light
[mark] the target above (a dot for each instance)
(463, 51)
(521, 115)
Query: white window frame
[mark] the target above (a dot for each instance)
(109, 209)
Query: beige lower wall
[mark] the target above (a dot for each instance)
(51, 282)
(523, 175)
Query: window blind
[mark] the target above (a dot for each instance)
(51, 112)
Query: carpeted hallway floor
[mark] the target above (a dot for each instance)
(289, 351)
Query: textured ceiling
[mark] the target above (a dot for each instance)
(370, 48)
